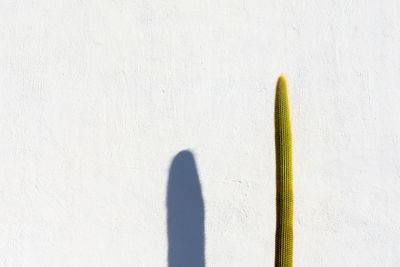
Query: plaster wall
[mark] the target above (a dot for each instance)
(97, 98)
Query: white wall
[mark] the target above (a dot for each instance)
(98, 97)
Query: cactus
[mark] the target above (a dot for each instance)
(284, 178)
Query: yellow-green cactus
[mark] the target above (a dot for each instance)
(284, 177)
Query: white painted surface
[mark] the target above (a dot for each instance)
(97, 97)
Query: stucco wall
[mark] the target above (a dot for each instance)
(97, 98)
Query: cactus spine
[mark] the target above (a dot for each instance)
(284, 177)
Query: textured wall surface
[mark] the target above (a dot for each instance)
(97, 98)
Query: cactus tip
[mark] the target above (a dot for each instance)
(282, 78)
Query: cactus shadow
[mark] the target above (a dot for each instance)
(185, 213)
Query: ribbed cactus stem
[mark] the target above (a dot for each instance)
(284, 177)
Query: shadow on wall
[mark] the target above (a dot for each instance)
(185, 213)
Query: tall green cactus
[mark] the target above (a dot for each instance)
(284, 177)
